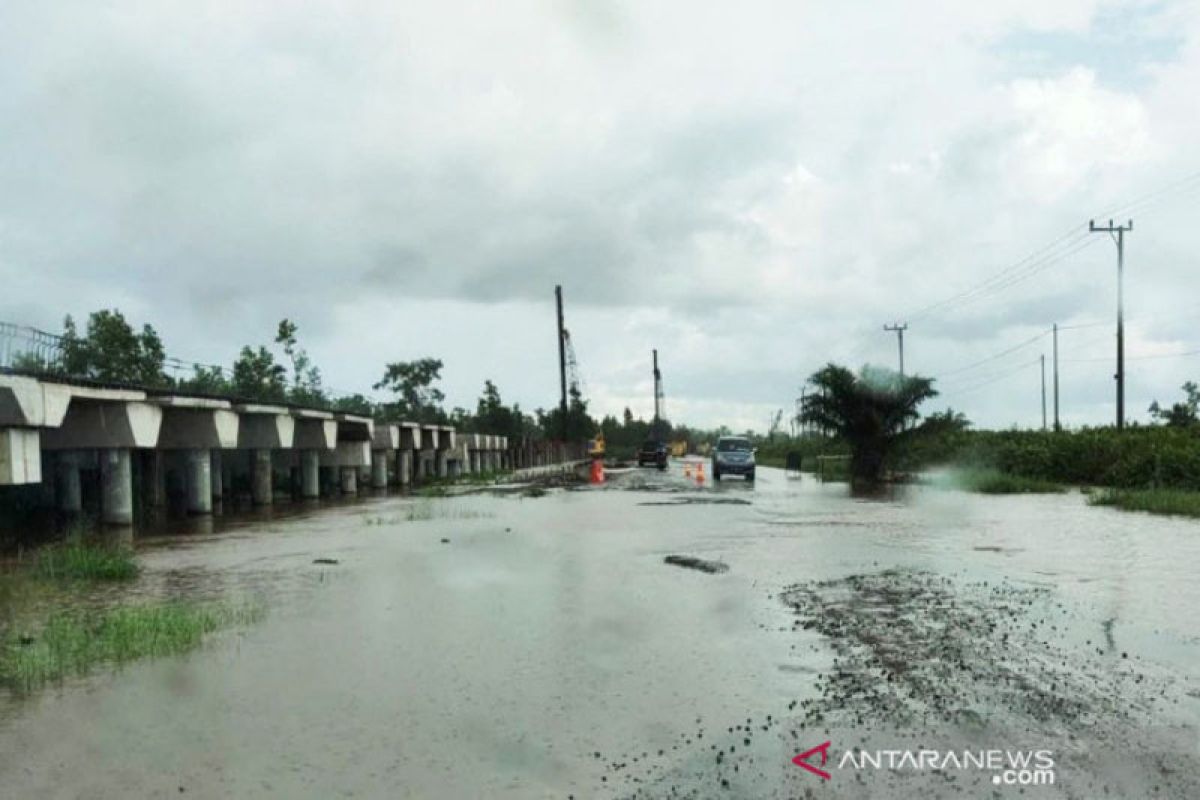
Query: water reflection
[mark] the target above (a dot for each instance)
(487, 646)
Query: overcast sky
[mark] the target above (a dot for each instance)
(752, 188)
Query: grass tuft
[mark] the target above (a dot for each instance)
(991, 481)
(73, 643)
(78, 561)
(1176, 502)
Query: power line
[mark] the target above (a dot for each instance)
(1044, 255)
(1133, 358)
(1072, 241)
(967, 389)
(995, 356)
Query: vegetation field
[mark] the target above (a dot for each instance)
(1177, 502)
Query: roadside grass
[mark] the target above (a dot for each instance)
(990, 481)
(68, 643)
(75, 560)
(1174, 502)
(993, 481)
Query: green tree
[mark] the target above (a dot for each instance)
(493, 417)
(207, 380)
(1180, 415)
(417, 398)
(306, 379)
(870, 411)
(112, 351)
(579, 427)
(256, 376)
(354, 404)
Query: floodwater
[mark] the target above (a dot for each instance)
(504, 646)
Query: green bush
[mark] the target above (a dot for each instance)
(1136, 458)
(1179, 502)
(78, 561)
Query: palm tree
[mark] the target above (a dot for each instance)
(870, 411)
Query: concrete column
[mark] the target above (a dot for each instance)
(349, 480)
(217, 477)
(404, 460)
(443, 463)
(378, 469)
(70, 494)
(261, 482)
(70, 489)
(116, 487)
(154, 479)
(310, 474)
(199, 481)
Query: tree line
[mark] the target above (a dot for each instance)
(109, 349)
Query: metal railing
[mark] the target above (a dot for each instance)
(23, 347)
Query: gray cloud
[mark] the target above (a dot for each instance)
(754, 193)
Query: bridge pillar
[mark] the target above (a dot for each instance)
(261, 478)
(154, 479)
(199, 481)
(349, 480)
(379, 469)
(116, 487)
(310, 474)
(70, 496)
(217, 477)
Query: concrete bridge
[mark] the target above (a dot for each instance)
(145, 443)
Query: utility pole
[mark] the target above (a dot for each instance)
(562, 361)
(1043, 357)
(1057, 424)
(1118, 233)
(657, 389)
(899, 329)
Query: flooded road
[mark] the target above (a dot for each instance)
(499, 645)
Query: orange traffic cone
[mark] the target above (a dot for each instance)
(700, 472)
(597, 471)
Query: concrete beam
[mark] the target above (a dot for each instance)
(189, 427)
(429, 437)
(316, 434)
(105, 425)
(20, 456)
(410, 436)
(348, 454)
(353, 428)
(265, 427)
(31, 402)
(386, 437)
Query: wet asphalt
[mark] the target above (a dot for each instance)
(651, 637)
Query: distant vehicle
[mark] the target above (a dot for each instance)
(653, 452)
(733, 455)
(596, 446)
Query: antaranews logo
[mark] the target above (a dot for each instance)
(1008, 767)
(802, 760)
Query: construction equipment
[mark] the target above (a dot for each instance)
(656, 427)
